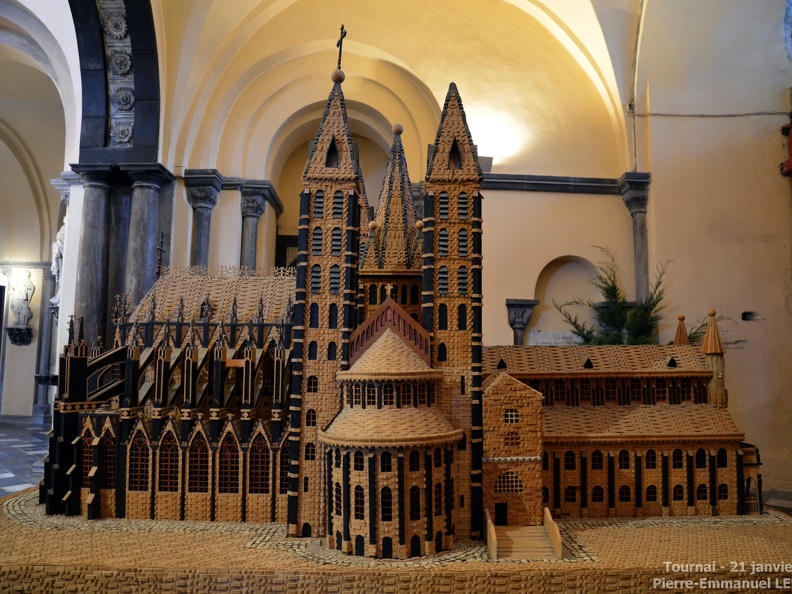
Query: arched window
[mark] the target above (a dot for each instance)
(512, 415)
(229, 466)
(610, 390)
(421, 394)
(358, 461)
(312, 385)
(310, 451)
(701, 493)
(569, 460)
(651, 460)
(545, 495)
(259, 460)
(597, 461)
(508, 482)
(335, 242)
(331, 351)
(624, 460)
(198, 475)
(310, 418)
(585, 390)
(438, 458)
(404, 294)
(415, 503)
(462, 317)
(357, 395)
(314, 316)
(415, 295)
(388, 395)
(442, 322)
(372, 294)
(597, 495)
(108, 455)
(335, 279)
(442, 205)
(678, 493)
(305, 487)
(545, 461)
(333, 316)
(371, 395)
(168, 472)
(312, 348)
(723, 492)
(462, 280)
(442, 280)
(337, 500)
(511, 440)
(138, 463)
(454, 156)
(87, 457)
(316, 242)
(559, 390)
(462, 243)
(636, 392)
(701, 458)
(338, 205)
(651, 493)
(318, 209)
(338, 458)
(722, 460)
(442, 243)
(463, 206)
(284, 469)
(442, 353)
(406, 395)
(676, 459)
(661, 390)
(624, 494)
(386, 504)
(316, 279)
(415, 461)
(386, 462)
(570, 495)
(438, 499)
(331, 160)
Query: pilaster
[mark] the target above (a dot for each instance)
(203, 186)
(634, 187)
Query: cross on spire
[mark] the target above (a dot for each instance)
(340, 44)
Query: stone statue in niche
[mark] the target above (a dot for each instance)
(21, 293)
(57, 261)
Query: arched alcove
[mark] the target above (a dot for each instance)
(564, 279)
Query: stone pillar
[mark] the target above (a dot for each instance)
(634, 188)
(41, 407)
(202, 186)
(520, 311)
(253, 205)
(91, 294)
(141, 262)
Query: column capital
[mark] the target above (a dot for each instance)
(520, 311)
(264, 188)
(96, 174)
(64, 183)
(151, 174)
(252, 205)
(634, 188)
(203, 186)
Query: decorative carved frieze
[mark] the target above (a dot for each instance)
(120, 80)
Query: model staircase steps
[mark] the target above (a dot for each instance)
(523, 542)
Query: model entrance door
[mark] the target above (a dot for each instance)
(501, 514)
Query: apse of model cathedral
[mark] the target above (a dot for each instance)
(352, 398)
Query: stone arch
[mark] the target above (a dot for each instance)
(562, 279)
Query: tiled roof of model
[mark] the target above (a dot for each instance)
(389, 427)
(392, 243)
(389, 358)
(612, 360)
(273, 288)
(663, 421)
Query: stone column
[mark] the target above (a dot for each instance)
(253, 204)
(91, 294)
(41, 407)
(634, 188)
(141, 261)
(520, 311)
(202, 186)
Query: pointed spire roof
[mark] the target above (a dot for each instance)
(681, 336)
(712, 340)
(454, 156)
(392, 243)
(332, 155)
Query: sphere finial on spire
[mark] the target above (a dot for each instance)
(397, 129)
(337, 76)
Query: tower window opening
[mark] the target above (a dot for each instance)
(331, 161)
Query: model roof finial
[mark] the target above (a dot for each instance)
(681, 336)
(712, 340)
(340, 44)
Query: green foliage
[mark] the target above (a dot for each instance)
(696, 334)
(617, 321)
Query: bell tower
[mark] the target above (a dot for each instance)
(451, 304)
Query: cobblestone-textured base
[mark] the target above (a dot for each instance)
(42, 553)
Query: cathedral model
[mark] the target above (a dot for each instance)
(352, 398)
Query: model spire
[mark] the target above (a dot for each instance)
(681, 336)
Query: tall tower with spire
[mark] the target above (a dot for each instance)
(451, 304)
(391, 260)
(324, 308)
